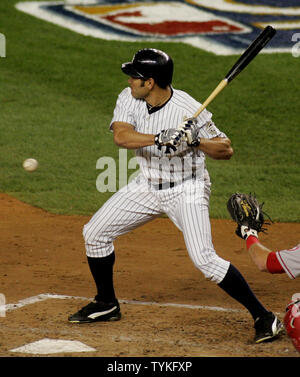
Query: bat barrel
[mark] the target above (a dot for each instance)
(258, 44)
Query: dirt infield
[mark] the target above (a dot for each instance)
(42, 254)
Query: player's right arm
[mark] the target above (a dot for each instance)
(125, 136)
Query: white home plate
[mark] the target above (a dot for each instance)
(46, 346)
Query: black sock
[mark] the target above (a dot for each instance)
(102, 272)
(236, 286)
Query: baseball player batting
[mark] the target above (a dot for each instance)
(156, 120)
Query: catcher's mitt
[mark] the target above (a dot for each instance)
(247, 212)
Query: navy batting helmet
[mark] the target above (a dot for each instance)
(151, 63)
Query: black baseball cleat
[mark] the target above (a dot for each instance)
(267, 328)
(97, 311)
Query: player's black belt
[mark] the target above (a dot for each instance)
(168, 185)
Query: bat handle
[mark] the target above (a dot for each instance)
(217, 90)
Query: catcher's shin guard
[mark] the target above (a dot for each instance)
(292, 323)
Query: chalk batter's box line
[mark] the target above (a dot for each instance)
(47, 296)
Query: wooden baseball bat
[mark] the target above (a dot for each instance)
(248, 55)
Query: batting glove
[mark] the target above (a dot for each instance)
(169, 138)
(191, 132)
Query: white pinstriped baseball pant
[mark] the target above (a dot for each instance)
(187, 205)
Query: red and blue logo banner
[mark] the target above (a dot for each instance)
(223, 27)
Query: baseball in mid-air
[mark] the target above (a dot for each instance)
(30, 164)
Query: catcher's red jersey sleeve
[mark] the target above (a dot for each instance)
(290, 261)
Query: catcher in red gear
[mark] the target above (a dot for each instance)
(247, 212)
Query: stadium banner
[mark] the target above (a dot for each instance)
(221, 27)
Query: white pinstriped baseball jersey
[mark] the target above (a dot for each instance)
(186, 204)
(154, 164)
(290, 261)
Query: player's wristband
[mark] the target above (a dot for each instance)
(251, 240)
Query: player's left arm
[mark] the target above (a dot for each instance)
(207, 137)
(218, 148)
